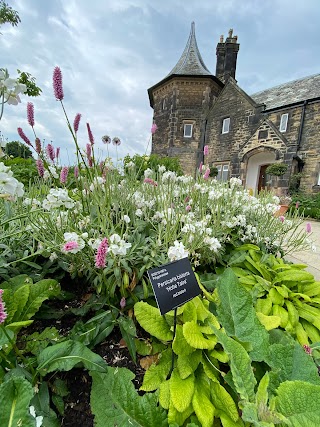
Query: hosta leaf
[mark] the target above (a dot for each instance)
(181, 390)
(240, 364)
(151, 320)
(158, 373)
(39, 292)
(237, 315)
(195, 338)
(188, 364)
(299, 401)
(115, 401)
(222, 400)
(65, 355)
(180, 345)
(15, 396)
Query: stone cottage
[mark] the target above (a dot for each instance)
(245, 133)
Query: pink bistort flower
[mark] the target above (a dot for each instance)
(90, 135)
(200, 167)
(30, 114)
(154, 128)
(69, 246)
(76, 122)
(282, 218)
(40, 167)
(38, 145)
(122, 303)
(24, 137)
(57, 84)
(308, 227)
(64, 174)
(206, 150)
(50, 152)
(3, 314)
(206, 174)
(76, 171)
(100, 259)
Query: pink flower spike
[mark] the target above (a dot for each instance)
(282, 218)
(38, 145)
(308, 227)
(307, 349)
(206, 150)
(154, 128)
(100, 259)
(200, 167)
(91, 139)
(76, 171)
(206, 174)
(57, 84)
(24, 137)
(69, 246)
(30, 114)
(57, 152)
(122, 303)
(3, 314)
(50, 152)
(40, 167)
(188, 208)
(64, 174)
(76, 122)
(297, 205)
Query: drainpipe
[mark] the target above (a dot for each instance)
(301, 124)
(202, 144)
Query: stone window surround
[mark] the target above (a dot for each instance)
(222, 167)
(284, 122)
(187, 123)
(225, 125)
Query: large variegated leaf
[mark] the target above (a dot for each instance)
(151, 320)
(115, 402)
(15, 396)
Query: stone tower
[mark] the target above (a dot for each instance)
(181, 102)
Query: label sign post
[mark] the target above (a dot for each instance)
(173, 284)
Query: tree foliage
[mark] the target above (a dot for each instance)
(8, 15)
(17, 149)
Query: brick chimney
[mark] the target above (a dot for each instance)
(227, 52)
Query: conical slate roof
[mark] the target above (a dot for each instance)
(191, 62)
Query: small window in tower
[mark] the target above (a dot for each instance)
(187, 130)
(284, 122)
(226, 125)
(164, 104)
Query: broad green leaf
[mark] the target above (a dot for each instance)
(157, 373)
(16, 282)
(94, 330)
(65, 355)
(269, 322)
(181, 390)
(39, 292)
(228, 422)
(21, 295)
(188, 364)
(4, 340)
(16, 326)
(115, 401)
(39, 341)
(293, 275)
(128, 332)
(240, 364)
(238, 317)
(290, 362)
(222, 401)
(189, 312)
(41, 402)
(178, 418)
(15, 396)
(164, 394)
(195, 338)
(144, 347)
(299, 401)
(151, 320)
(262, 391)
(11, 303)
(202, 404)
(180, 345)
(201, 310)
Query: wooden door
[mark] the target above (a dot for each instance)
(263, 178)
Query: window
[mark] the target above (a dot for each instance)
(223, 172)
(263, 134)
(226, 125)
(284, 122)
(187, 130)
(164, 104)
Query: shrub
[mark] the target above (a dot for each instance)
(24, 170)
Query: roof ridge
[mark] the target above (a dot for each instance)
(285, 84)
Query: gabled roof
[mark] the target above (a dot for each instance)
(191, 62)
(290, 93)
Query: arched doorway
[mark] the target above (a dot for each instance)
(256, 178)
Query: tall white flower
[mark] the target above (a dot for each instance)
(178, 251)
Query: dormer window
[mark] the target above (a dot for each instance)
(187, 130)
(283, 122)
(226, 125)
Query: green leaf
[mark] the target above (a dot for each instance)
(15, 396)
(39, 292)
(39, 341)
(181, 390)
(164, 394)
(128, 332)
(238, 317)
(151, 320)
(157, 373)
(299, 401)
(195, 338)
(180, 345)
(293, 275)
(94, 330)
(240, 365)
(188, 364)
(65, 355)
(222, 401)
(114, 400)
(21, 295)
(201, 402)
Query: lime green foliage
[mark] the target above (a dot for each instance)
(284, 295)
(142, 163)
(149, 319)
(15, 396)
(115, 401)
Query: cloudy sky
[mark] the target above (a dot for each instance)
(110, 52)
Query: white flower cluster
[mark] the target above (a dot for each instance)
(178, 251)
(9, 186)
(117, 245)
(10, 89)
(57, 198)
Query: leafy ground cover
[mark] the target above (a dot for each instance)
(81, 338)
